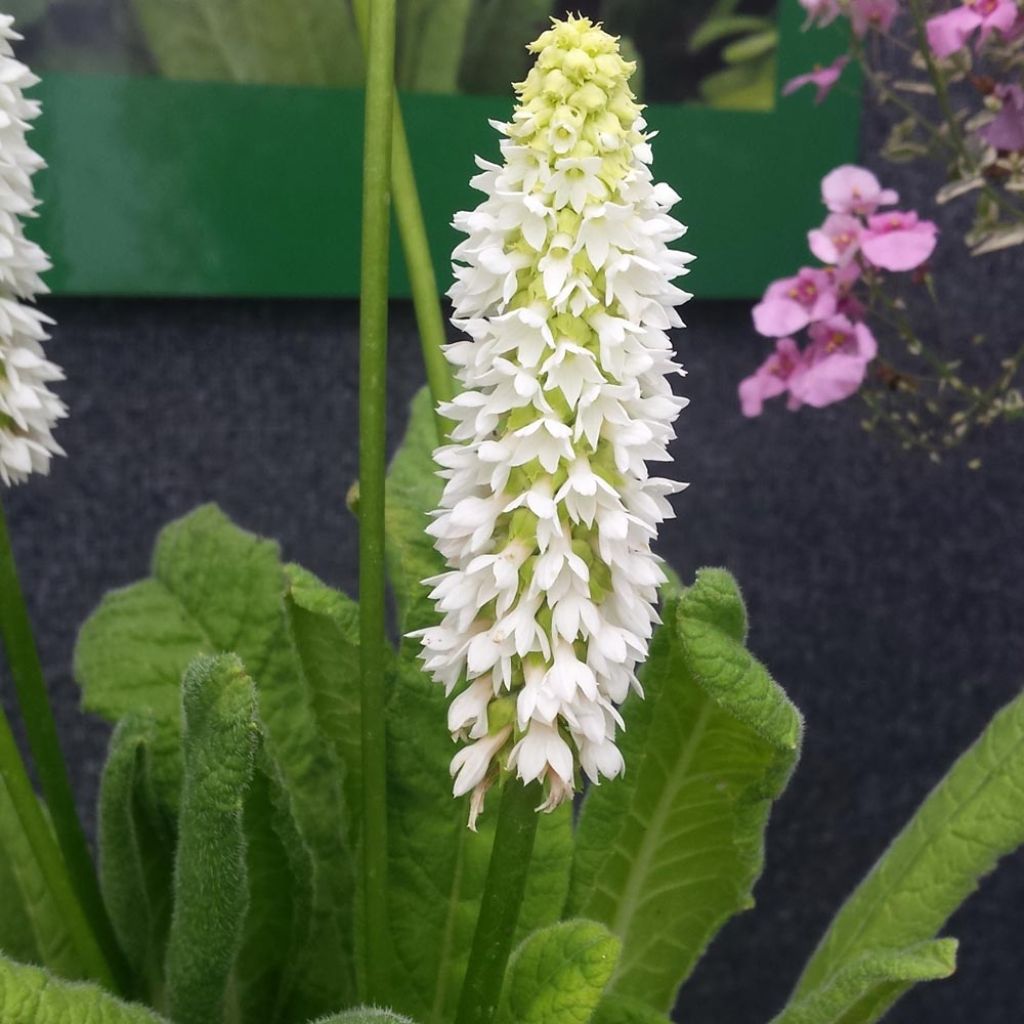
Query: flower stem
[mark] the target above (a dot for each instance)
(373, 330)
(27, 673)
(48, 857)
(415, 244)
(499, 907)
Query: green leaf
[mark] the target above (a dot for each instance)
(210, 885)
(325, 630)
(136, 851)
(413, 490)
(558, 974)
(714, 30)
(217, 588)
(277, 930)
(309, 43)
(48, 940)
(742, 86)
(431, 34)
(366, 1015)
(666, 855)
(863, 990)
(29, 995)
(17, 940)
(624, 1010)
(437, 867)
(972, 818)
(752, 47)
(496, 38)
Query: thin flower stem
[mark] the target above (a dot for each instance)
(48, 857)
(499, 908)
(373, 331)
(415, 244)
(27, 673)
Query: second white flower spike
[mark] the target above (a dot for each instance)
(564, 290)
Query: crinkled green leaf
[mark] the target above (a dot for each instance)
(312, 42)
(217, 588)
(413, 491)
(496, 38)
(558, 974)
(30, 995)
(210, 886)
(325, 630)
(51, 943)
(136, 842)
(437, 867)
(862, 991)
(972, 818)
(623, 1010)
(429, 45)
(667, 854)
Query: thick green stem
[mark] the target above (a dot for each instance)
(373, 331)
(27, 673)
(499, 907)
(415, 245)
(48, 857)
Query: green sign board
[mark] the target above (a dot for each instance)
(181, 188)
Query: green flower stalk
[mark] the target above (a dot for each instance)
(563, 288)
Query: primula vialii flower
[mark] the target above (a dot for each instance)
(28, 408)
(549, 511)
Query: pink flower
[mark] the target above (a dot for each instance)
(949, 32)
(837, 240)
(820, 12)
(772, 377)
(824, 78)
(1007, 130)
(898, 241)
(855, 190)
(791, 304)
(834, 364)
(872, 14)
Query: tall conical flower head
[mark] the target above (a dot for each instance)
(28, 408)
(548, 512)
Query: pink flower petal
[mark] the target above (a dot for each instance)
(949, 32)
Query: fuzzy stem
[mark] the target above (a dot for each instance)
(415, 244)
(373, 331)
(48, 857)
(27, 673)
(502, 898)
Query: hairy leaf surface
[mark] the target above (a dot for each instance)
(972, 818)
(30, 995)
(862, 991)
(215, 587)
(210, 885)
(665, 855)
(624, 1010)
(558, 974)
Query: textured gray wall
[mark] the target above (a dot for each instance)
(885, 592)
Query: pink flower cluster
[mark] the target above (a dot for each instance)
(855, 237)
(951, 31)
(864, 15)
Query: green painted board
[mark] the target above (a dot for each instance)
(170, 188)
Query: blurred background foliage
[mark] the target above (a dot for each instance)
(720, 52)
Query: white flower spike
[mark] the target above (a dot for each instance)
(28, 408)
(564, 290)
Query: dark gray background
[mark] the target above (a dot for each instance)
(885, 592)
